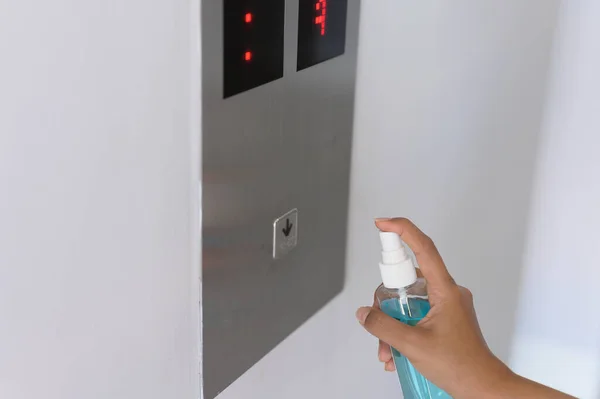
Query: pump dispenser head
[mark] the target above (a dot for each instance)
(397, 268)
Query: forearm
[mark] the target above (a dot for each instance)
(518, 387)
(494, 380)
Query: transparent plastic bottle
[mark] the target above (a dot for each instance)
(403, 296)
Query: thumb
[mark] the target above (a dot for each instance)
(404, 338)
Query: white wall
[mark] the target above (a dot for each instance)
(449, 105)
(98, 213)
(558, 335)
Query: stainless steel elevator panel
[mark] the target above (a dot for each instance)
(280, 146)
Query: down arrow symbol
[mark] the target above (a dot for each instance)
(288, 228)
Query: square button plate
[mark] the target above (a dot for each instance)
(285, 234)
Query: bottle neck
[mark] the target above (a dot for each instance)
(400, 289)
(398, 275)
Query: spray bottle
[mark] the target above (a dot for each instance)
(403, 296)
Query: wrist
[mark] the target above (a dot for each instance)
(504, 386)
(492, 381)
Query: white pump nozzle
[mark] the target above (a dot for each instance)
(397, 268)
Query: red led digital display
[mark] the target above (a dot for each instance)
(321, 15)
(253, 32)
(321, 31)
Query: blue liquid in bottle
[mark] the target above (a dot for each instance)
(410, 311)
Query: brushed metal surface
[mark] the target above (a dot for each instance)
(280, 146)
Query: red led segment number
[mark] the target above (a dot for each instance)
(248, 17)
(321, 15)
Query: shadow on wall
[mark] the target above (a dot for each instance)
(558, 332)
(451, 112)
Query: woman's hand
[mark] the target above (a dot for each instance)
(447, 346)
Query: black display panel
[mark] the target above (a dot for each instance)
(253, 43)
(321, 31)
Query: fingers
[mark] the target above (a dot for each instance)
(390, 366)
(430, 262)
(389, 330)
(384, 353)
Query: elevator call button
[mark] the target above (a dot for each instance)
(285, 233)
